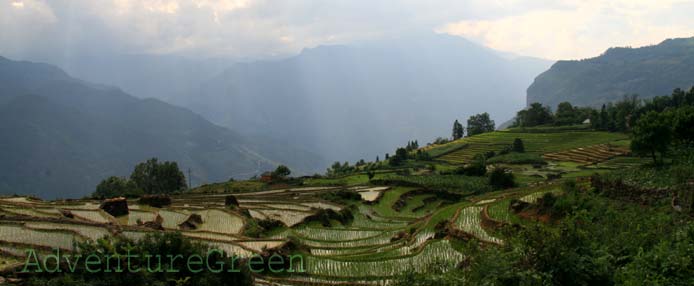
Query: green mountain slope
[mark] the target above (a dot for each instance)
(647, 71)
(61, 136)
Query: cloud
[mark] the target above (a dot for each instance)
(580, 29)
(263, 28)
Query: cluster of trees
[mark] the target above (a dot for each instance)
(412, 145)
(617, 117)
(340, 169)
(404, 153)
(537, 114)
(281, 172)
(620, 116)
(476, 124)
(479, 123)
(149, 177)
(657, 132)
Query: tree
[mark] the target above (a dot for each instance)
(158, 178)
(479, 123)
(652, 134)
(518, 146)
(534, 115)
(604, 118)
(377, 159)
(458, 130)
(566, 114)
(478, 167)
(683, 125)
(115, 187)
(499, 178)
(399, 157)
(281, 172)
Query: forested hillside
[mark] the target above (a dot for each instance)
(648, 71)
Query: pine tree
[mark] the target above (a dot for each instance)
(603, 118)
(458, 130)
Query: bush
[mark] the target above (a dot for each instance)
(325, 216)
(518, 146)
(230, 200)
(257, 227)
(477, 168)
(500, 178)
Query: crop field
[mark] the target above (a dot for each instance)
(469, 221)
(393, 229)
(463, 150)
(588, 155)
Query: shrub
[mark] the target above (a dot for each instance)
(230, 200)
(500, 178)
(477, 168)
(518, 146)
(324, 216)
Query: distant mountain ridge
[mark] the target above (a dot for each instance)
(61, 136)
(647, 71)
(350, 102)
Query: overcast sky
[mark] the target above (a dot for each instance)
(551, 29)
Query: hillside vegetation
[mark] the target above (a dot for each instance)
(647, 71)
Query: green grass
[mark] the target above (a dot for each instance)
(550, 128)
(517, 158)
(231, 187)
(453, 183)
(348, 180)
(384, 207)
(535, 143)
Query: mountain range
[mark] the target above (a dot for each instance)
(62, 135)
(344, 102)
(647, 71)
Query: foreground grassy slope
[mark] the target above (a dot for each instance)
(463, 150)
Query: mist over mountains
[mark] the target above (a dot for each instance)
(61, 136)
(345, 102)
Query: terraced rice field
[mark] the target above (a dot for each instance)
(18, 234)
(532, 198)
(463, 150)
(380, 243)
(499, 211)
(220, 221)
(440, 250)
(370, 194)
(588, 155)
(469, 221)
